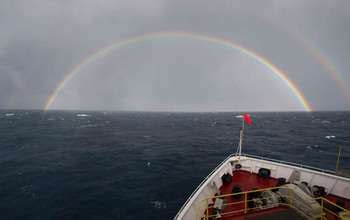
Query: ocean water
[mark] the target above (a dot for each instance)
(134, 165)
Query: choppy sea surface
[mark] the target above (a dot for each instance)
(136, 165)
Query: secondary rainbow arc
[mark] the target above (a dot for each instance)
(203, 37)
(324, 61)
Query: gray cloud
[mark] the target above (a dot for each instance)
(40, 41)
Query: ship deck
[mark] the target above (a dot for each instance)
(250, 181)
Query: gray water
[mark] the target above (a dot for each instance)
(135, 165)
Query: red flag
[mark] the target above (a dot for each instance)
(247, 119)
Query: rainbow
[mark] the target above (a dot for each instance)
(316, 54)
(319, 57)
(202, 37)
(330, 68)
(323, 61)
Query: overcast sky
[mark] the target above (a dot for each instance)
(41, 41)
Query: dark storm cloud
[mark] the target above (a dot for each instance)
(40, 41)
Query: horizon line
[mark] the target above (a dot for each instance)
(168, 111)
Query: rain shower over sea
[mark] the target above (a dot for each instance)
(142, 165)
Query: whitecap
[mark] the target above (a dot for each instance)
(158, 204)
(9, 114)
(325, 122)
(330, 136)
(90, 125)
(83, 115)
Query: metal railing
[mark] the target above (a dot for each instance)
(331, 208)
(327, 206)
(254, 157)
(291, 163)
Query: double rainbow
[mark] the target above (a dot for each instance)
(196, 36)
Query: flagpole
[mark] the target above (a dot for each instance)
(241, 140)
(245, 119)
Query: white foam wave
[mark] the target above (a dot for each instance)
(91, 125)
(312, 147)
(83, 115)
(158, 204)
